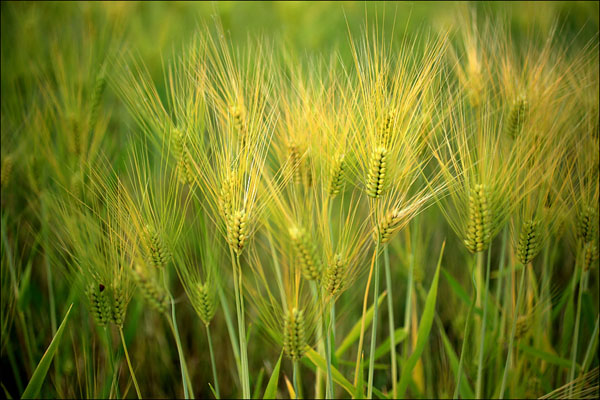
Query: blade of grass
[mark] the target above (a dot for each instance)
(337, 376)
(423, 331)
(271, 389)
(37, 379)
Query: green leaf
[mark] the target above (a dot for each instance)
(271, 389)
(37, 379)
(466, 392)
(543, 355)
(399, 335)
(424, 330)
(258, 384)
(336, 375)
(459, 291)
(354, 333)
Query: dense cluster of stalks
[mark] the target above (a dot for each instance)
(262, 197)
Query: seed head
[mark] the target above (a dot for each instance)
(119, 306)
(530, 241)
(294, 335)
(307, 253)
(237, 230)
(5, 173)
(479, 224)
(334, 275)
(590, 254)
(387, 226)
(587, 224)
(377, 170)
(152, 292)
(336, 175)
(99, 303)
(182, 156)
(157, 252)
(204, 302)
(516, 117)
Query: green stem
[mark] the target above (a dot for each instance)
(466, 335)
(135, 383)
(295, 379)
(479, 386)
(212, 362)
(512, 333)
(374, 326)
(575, 336)
(390, 301)
(111, 360)
(187, 384)
(329, 391)
(239, 299)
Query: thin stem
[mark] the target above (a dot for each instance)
(466, 335)
(390, 301)
(512, 333)
(361, 338)
(576, 332)
(295, 379)
(329, 391)
(212, 362)
(374, 326)
(135, 383)
(479, 386)
(239, 299)
(111, 360)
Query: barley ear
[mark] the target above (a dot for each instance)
(152, 292)
(334, 274)
(99, 303)
(336, 175)
(377, 172)
(307, 254)
(294, 335)
(530, 242)
(479, 224)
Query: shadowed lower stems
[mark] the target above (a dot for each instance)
(575, 343)
(212, 362)
(374, 326)
(512, 333)
(466, 335)
(388, 280)
(479, 386)
(135, 383)
(239, 303)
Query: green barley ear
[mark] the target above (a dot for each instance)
(182, 156)
(294, 335)
(334, 274)
(225, 199)
(152, 292)
(239, 117)
(99, 303)
(587, 224)
(530, 242)
(590, 254)
(237, 230)
(157, 252)
(295, 162)
(119, 306)
(517, 116)
(479, 224)
(99, 87)
(204, 302)
(5, 172)
(307, 253)
(307, 173)
(377, 171)
(524, 325)
(336, 175)
(385, 130)
(387, 226)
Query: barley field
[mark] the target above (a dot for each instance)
(300, 200)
